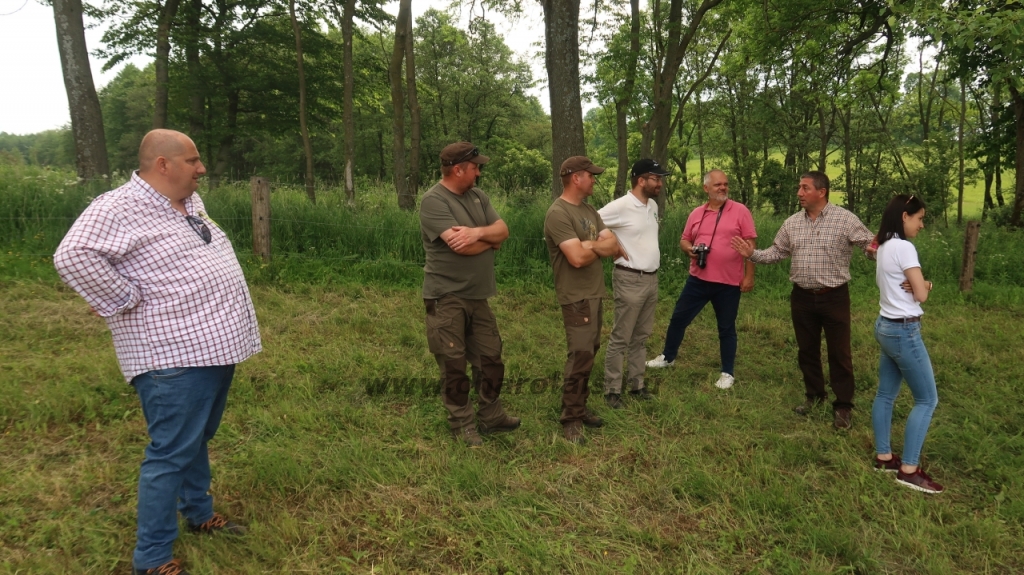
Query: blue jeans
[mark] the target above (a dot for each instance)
(183, 407)
(903, 357)
(724, 298)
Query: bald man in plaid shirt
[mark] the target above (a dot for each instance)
(149, 260)
(820, 239)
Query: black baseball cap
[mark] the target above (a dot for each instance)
(647, 166)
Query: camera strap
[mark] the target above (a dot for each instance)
(715, 229)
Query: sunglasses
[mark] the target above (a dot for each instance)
(910, 199)
(200, 228)
(467, 157)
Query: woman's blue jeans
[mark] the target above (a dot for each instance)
(183, 407)
(903, 357)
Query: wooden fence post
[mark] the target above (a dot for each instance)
(260, 217)
(970, 252)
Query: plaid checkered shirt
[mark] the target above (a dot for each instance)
(169, 298)
(820, 248)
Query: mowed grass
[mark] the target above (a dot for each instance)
(332, 479)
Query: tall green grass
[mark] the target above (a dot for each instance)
(331, 242)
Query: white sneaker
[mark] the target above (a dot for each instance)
(659, 362)
(725, 381)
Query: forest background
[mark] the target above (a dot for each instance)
(918, 96)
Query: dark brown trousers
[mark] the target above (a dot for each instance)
(582, 321)
(460, 332)
(828, 312)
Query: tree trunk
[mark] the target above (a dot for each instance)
(306, 145)
(163, 50)
(700, 136)
(226, 142)
(414, 106)
(197, 97)
(405, 201)
(83, 104)
(997, 104)
(960, 151)
(562, 59)
(624, 99)
(851, 196)
(665, 77)
(1018, 116)
(348, 105)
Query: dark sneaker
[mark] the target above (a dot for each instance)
(590, 419)
(842, 418)
(469, 436)
(574, 432)
(218, 524)
(171, 568)
(891, 466)
(918, 480)
(613, 400)
(509, 423)
(641, 394)
(808, 406)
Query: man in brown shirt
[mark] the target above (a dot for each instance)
(577, 240)
(460, 232)
(820, 240)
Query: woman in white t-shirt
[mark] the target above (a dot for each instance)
(898, 332)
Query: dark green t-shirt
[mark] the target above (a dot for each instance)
(565, 221)
(446, 272)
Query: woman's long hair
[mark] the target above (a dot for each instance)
(892, 217)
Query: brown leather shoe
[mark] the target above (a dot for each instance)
(509, 423)
(574, 432)
(843, 418)
(808, 406)
(590, 419)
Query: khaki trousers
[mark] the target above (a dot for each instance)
(461, 331)
(636, 298)
(582, 321)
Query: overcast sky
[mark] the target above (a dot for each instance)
(32, 97)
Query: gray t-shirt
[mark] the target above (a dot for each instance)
(446, 272)
(565, 221)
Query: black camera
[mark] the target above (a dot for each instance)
(701, 251)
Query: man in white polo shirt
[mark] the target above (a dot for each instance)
(634, 219)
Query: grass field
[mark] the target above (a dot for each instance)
(336, 473)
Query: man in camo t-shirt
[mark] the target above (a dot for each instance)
(460, 232)
(577, 240)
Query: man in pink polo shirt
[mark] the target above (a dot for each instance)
(718, 274)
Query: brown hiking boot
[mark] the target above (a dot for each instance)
(218, 524)
(590, 419)
(171, 568)
(508, 423)
(574, 432)
(843, 418)
(469, 436)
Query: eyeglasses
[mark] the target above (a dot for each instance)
(653, 177)
(200, 228)
(467, 157)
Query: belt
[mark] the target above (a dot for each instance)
(636, 271)
(902, 319)
(820, 291)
